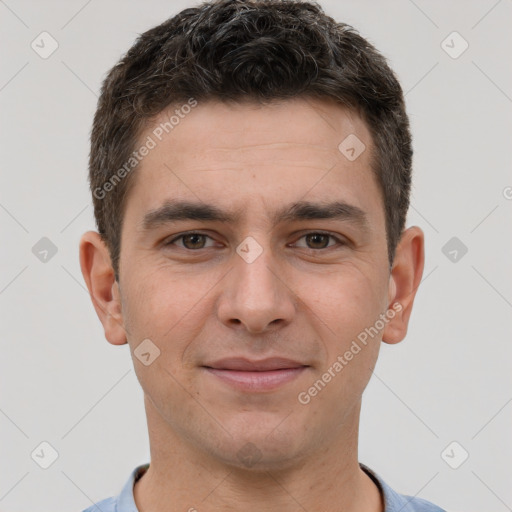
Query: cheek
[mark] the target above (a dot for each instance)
(170, 310)
(159, 301)
(160, 310)
(347, 302)
(346, 310)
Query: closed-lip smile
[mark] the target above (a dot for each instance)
(252, 375)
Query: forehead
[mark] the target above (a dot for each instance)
(243, 154)
(304, 130)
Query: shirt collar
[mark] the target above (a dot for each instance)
(125, 500)
(392, 500)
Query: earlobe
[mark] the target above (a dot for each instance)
(404, 281)
(103, 288)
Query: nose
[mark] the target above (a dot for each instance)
(256, 296)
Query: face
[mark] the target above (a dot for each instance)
(253, 259)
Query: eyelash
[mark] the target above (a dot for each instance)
(337, 239)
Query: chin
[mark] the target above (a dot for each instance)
(253, 457)
(262, 446)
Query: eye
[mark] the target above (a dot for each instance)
(315, 240)
(191, 241)
(318, 240)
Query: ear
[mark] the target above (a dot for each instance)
(403, 283)
(99, 276)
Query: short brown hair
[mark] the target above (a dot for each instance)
(239, 50)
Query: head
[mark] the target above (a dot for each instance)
(242, 50)
(265, 127)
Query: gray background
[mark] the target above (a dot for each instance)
(450, 380)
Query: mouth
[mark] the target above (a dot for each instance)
(255, 376)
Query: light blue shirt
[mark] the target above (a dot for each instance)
(394, 502)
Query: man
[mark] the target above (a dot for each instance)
(250, 169)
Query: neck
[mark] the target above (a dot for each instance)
(181, 477)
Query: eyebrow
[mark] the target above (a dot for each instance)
(179, 210)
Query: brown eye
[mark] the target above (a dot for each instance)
(190, 241)
(193, 241)
(317, 240)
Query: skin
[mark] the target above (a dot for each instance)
(305, 299)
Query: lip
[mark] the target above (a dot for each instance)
(256, 375)
(252, 365)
